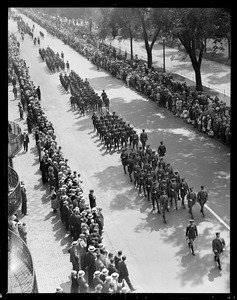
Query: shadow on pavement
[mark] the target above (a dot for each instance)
(66, 286)
(107, 82)
(112, 178)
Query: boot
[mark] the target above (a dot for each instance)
(192, 251)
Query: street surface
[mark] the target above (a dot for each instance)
(214, 75)
(158, 258)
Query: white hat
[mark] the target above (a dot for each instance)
(73, 273)
(81, 273)
(105, 271)
(115, 274)
(91, 248)
(97, 273)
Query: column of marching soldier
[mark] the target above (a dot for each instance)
(147, 169)
(95, 269)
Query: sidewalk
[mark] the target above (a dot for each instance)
(215, 76)
(47, 240)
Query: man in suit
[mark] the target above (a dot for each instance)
(123, 273)
(89, 265)
(92, 199)
(26, 140)
(38, 92)
(74, 257)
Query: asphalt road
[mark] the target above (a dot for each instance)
(157, 254)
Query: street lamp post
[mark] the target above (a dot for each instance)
(163, 55)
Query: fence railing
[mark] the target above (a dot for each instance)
(21, 273)
(14, 191)
(184, 73)
(14, 139)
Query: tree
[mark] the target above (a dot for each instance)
(103, 23)
(192, 26)
(152, 23)
(222, 28)
(127, 23)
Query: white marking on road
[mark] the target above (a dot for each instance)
(218, 218)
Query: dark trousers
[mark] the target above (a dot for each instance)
(127, 280)
(25, 145)
(24, 208)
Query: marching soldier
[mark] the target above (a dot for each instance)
(191, 197)
(141, 180)
(183, 187)
(218, 246)
(202, 198)
(149, 184)
(136, 171)
(155, 196)
(124, 138)
(173, 192)
(191, 234)
(161, 149)
(143, 138)
(130, 166)
(135, 140)
(124, 159)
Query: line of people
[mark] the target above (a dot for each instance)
(53, 60)
(206, 113)
(83, 96)
(85, 222)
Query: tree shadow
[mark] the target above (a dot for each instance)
(107, 82)
(110, 178)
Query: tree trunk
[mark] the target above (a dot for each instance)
(149, 57)
(198, 77)
(131, 46)
(229, 48)
(205, 45)
(197, 70)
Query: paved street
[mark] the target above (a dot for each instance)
(157, 254)
(214, 75)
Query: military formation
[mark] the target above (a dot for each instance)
(54, 62)
(83, 96)
(148, 169)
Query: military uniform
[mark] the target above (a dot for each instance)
(124, 159)
(191, 234)
(218, 245)
(202, 198)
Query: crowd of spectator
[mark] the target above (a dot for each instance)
(206, 113)
(85, 222)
